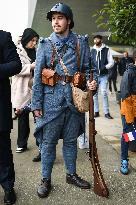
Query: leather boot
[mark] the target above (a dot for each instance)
(10, 197)
(77, 181)
(108, 116)
(37, 158)
(96, 114)
(44, 188)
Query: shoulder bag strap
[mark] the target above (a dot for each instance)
(60, 58)
(53, 58)
(78, 54)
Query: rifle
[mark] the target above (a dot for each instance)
(100, 187)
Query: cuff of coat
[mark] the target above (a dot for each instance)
(36, 107)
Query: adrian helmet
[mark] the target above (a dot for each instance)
(64, 9)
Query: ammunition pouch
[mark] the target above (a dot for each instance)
(49, 77)
(79, 80)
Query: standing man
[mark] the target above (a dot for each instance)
(101, 60)
(124, 62)
(10, 65)
(53, 106)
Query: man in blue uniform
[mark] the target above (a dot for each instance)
(10, 65)
(53, 106)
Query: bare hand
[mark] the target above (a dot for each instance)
(92, 85)
(18, 111)
(33, 66)
(37, 113)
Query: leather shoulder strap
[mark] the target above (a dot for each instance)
(53, 54)
(78, 54)
(60, 59)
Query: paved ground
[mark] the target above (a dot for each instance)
(122, 188)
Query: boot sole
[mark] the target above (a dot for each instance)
(124, 173)
(69, 182)
(42, 196)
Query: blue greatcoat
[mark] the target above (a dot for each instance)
(53, 100)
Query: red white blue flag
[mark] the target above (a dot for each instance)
(130, 136)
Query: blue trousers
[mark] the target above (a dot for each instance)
(124, 145)
(66, 126)
(103, 86)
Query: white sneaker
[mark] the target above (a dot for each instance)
(83, 146)
(20, 149)
(110, 93)
(83, 142)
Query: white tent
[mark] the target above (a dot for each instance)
(116, 54)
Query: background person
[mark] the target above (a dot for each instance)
(101, 60)
(112, 75)
(124, 62)
(10, 64)
(14, 117)
(135, 60)
(21, 93)
(128, 112)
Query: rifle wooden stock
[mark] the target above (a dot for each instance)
(100, 187)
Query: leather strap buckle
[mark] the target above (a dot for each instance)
(63, 83)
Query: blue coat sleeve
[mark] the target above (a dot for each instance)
(37, 89)
(85, 57)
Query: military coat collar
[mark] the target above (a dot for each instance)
(59, 42)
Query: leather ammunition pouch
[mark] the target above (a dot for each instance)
(79, 80)
(49, 77)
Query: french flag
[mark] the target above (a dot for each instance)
(130, 136)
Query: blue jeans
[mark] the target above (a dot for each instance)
(103, 85)
(124, 145)
(66, 126)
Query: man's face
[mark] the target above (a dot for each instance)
(125, 54)
(97, 41)
(60, 23)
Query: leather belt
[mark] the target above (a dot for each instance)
(66, 78)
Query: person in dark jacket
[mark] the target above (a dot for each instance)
(10, 65)
(128, 113)
(112, 75)
(124, 62)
